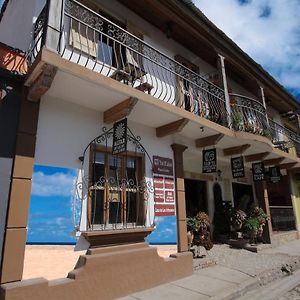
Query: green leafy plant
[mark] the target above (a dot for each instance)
(266, 133)
(237, 121)
(251, 227)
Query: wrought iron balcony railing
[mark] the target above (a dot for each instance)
(93, 41)
(248, 115)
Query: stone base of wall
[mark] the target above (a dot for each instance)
(105, 273)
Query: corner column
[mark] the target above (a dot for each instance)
(182, 245)
(221, 67)
(263, 201)
(19, 198)
(262, 94)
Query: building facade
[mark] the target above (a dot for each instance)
(157, 112)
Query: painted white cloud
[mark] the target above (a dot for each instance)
(267, 30)
(57, 184)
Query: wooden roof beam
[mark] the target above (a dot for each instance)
(287, 165)
(211, 140)
(273, 161)
(236, 150)
(42, 84)
(171, 128)
(119, 111)
(256, 156)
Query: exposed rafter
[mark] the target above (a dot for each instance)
(274, 161)
(211, 140)
(256, 156)
(171, 128)
(42, 84)
(236, 150)
(119, 111)
(287, 165)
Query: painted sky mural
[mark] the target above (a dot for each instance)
(51, 209)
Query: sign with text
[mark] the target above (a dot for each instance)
(237, 167)
(169, 196)
(274, 174)
(120, 137)
(164, 210)
(209, 161)
(258, 171)
(162, 165)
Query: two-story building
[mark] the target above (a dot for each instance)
(160, 114)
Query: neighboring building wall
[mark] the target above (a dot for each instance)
(16, 26)
(10, 94)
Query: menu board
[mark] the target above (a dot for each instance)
(164, 186)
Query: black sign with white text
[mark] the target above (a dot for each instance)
(120, 137)
(258, 171)
(237, 167)
(209, 161)
(274, 174)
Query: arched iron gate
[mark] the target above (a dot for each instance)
(114, 191)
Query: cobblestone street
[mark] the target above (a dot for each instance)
(294, 294)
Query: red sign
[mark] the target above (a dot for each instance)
(159, 196)
(169, 183)
(169, 196)
(164, 209)
(162, 165)
(158, 182)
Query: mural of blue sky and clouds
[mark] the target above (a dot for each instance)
(51, 217)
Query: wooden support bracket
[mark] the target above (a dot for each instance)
(273, 161)
(42, 84)
(236, 150)
(256, 156)
(119, 111)
(208, 140)
(171, 128)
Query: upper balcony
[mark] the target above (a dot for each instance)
(91, 40)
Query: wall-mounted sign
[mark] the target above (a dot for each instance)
(164, 210)
(274, 174)
(237, 167)
(162, 165)
(120, 137)
(164, 186)
(258, 171)
(209, 161)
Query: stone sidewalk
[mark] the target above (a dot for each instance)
(235, 273)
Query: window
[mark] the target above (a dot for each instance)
(114, 197)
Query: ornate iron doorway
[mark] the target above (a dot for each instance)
(114, 191)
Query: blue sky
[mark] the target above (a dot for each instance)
(267, 30)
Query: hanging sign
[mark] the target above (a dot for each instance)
(274, 174)
(162, 165)
(209, 161)
(258, 171)
(237, 167)
(120, 137)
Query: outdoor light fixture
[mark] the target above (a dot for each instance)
(81, 158)
(169, 30)
(202, 129)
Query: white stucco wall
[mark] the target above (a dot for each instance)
(65, 129)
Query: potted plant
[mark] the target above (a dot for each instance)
(255, 222)
(198, 227)
(237, 219)
(237, 121)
